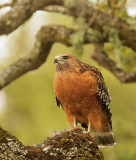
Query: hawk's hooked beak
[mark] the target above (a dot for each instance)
(57, 59)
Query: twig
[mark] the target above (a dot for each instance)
(92, 19)
(5, 5)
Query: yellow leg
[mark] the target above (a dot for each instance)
(75, 124)
(89, 127)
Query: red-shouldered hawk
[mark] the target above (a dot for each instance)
(81, 91)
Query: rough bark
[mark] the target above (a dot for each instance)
(74, 144)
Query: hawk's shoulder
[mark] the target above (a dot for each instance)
(87, 67)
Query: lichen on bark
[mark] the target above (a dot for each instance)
(68, 145)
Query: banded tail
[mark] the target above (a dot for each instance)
(104, 139)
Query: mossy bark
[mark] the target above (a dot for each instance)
(69, 145)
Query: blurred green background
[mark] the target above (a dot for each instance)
(28, 108)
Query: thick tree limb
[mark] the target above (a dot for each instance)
(102, 58)
(44, 40)
(63, 145)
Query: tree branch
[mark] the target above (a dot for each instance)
(102, 58)
(126, 35)
(23, 10)
(45, 38)
(20, 12)
(56, 8)
(11, 4)
(63, 145)
(5, 5)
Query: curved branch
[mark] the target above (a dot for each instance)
(102, 58)
(44, 39)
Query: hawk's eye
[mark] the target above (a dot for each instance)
(65, 57)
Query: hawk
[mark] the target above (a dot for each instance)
(81, 91)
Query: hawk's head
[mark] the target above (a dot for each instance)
(65, 61)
